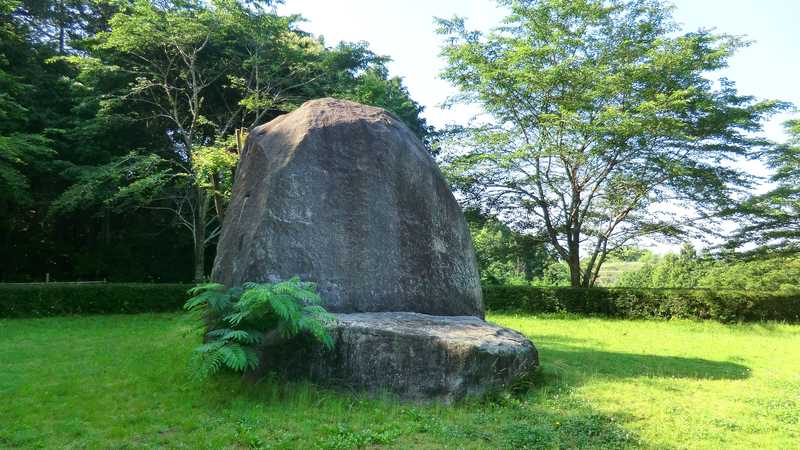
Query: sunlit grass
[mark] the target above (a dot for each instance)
(121, 382)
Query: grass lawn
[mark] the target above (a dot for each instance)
(121, 382)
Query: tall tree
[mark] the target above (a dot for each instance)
(770, 222)
(57, 23)
(19, 145)
(599, 113)
(200, 74)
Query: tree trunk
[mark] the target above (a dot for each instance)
(200, 236)
(218, 200)
(199, 263)
(575, 277)
(61, 28)
(574, 262)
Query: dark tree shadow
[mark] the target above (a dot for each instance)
(576, 360)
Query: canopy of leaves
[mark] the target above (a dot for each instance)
(598, 114)
(118, 122)
(771, 221)
(19, 147)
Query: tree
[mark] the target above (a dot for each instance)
(684, 270)
(57, 23)
(196, 76)
(771, 221)
(599, 115)
(18, 146)
(772, 274)
(505, 256)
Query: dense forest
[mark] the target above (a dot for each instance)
(120, 122)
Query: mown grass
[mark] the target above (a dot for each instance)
(122, 382)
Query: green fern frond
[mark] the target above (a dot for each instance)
(207, 363)
(218, 332)
(194, 303)
(286, 307)
(239, 318)
(209, 347)
(219, 302)
(234, 356)
(253, 359)
(236, 318)
(286, 329)
(317, 328)
(244, 336)
(215, 300)
(318, 310)
(205, 287)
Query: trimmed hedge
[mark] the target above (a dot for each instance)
(53, 299)
(721, 305)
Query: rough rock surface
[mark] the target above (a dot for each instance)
(416, 356)
(345, 195)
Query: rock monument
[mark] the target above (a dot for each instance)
(345, 195)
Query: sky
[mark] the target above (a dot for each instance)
(404, 30)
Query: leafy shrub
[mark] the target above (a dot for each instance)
(721, 305)
(54, 299)
(240, 319)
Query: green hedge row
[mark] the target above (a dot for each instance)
(54, 299)
(721, 305)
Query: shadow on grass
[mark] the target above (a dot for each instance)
(579, 361)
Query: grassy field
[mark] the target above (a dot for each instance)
(121, 382)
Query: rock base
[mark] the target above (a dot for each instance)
(416, 356)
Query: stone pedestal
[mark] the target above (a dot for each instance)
(416, 356)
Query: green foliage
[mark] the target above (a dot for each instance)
(17, 151)
(780, 274)
(130, 180)
(631, 254)
(20, 146)
(643, 303)
(771, 220)
(670, 271)
(505, 256)
(55, 299)
(214, 165)
(688, 270)
(598, 113)
(238, 320)
(117, 122)
(555, 274)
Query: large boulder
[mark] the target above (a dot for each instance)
(346, 196)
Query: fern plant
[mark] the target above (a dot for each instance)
(238, 320)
